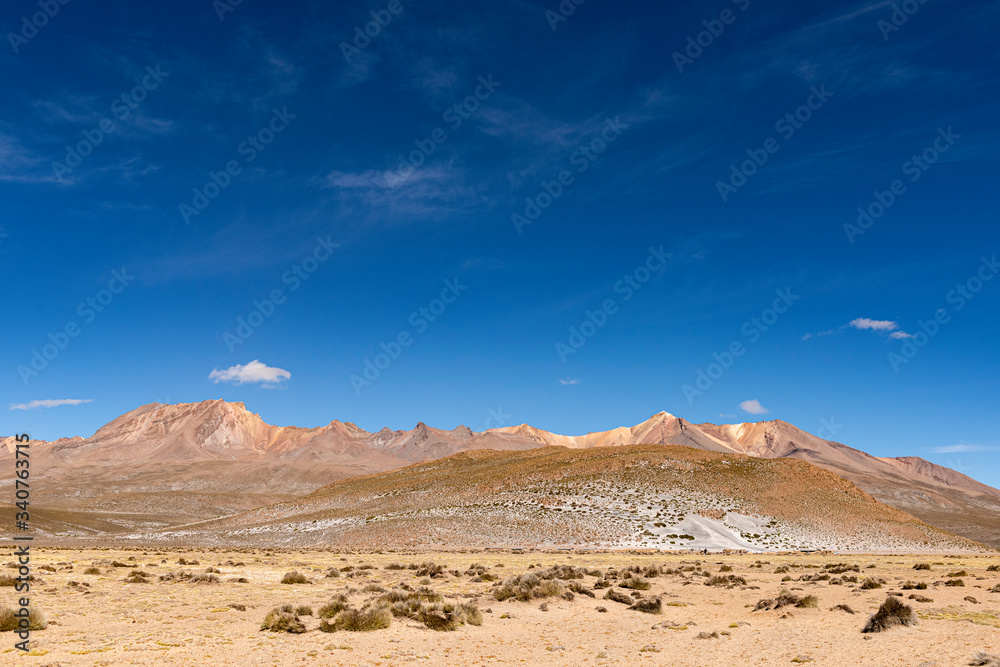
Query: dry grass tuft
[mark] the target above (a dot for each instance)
(354, 620)
(983, 659)
(891, 614)
(294, 577)
(10, 622)
(283, 619)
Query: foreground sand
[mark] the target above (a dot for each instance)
(101, 620)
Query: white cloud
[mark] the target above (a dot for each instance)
(569, 381)
(963, 449)
(900, 334)
(254, 372)
(49, 403)
(723, 415)
(753, 407)
(864, 323)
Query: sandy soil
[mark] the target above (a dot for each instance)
(101, 620)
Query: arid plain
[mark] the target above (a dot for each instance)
(206, 607)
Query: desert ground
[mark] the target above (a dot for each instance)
(206, 607)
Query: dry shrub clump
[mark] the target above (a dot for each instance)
(891, 614)
(355, 620)
(9, 622)
(844, 607)
(727, 581)
(92, 570)
(954, 582)
(993, 568)
(651, 606)
(615, 595)
(983, 659)
(635, 583)
(294, 577)
(841, 568)
(787, 599)
(870, 584)
(441, 616)
(283, 619)
(431, 570)
(137, 577)
(960, 573)
(527, 587)
(580, 589)
(922, 566)
(334, 607)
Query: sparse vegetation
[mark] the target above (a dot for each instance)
(363, 620)
(922, 566)
(10, 622)
(294, 577)
(891, 614)
(870, 584)
(283, 619)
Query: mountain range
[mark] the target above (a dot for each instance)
(164, 465)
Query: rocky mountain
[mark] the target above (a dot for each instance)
(227, 459)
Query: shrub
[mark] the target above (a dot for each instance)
(526, 587)
(213, 570)
(430, 570)
(844, 607)
(282, 619)
(982, 659)
(92, 570)
(580, 589)
(891, 614)
(294, 577)
(922, 566)
(447, 617)
(332, 573)
(808, 602)
(727, 581)
(784, 599)
(353, 620)
(725, 568)
(954, 582)
(870, 584)
(993, 568)
(920, 598)
(653, 606)
(204, 579)
(9, 622)
(395, 566)
(137, 577)
(304, 610)
(960, 573)
(635, 583)
(617, 596)
(334, 607)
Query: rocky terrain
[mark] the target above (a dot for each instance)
(160, 467)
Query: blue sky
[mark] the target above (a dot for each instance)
(619, 201)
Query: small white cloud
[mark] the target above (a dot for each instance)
(900, 334)
(864, 323)
(806, 337)
(753, 407)
(49, 403)
(723, 415)
(254, 372)
(963, 449)
(569, 381)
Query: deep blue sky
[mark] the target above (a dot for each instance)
(879, 97)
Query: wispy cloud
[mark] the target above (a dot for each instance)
(963, 449)
(753, 407)
(49, 403)
(864, 323)
(253, 373)
(569, 381)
